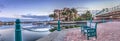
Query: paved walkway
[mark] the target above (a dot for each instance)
(106, 32)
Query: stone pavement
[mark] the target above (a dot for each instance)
(106, 32)
(109, 31)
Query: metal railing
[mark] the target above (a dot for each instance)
(107, 10)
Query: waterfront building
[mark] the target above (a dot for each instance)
(109, 13)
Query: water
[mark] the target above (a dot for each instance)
(29, 32)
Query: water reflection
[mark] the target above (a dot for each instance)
(6, 26)
(38, 28)
(29, 32)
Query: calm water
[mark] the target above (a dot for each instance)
(29, 32)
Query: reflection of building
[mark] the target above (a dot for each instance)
(9, 23)
(109, 13)
(0, 23)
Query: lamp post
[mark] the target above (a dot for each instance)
(58, 28)
(18, 35)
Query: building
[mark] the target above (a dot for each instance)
(109, 13)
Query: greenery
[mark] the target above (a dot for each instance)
(64, 13)
(71, 15)
(86, 16)
(77, 19)
(53, 29)
(68, 14)
(51, 15)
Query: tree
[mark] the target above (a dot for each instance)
(86, 16)
(64, 13)
(51, 15)
(69, 14)
(77, 19)
(74, 11)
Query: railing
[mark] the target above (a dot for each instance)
(107, 10)
(91, 31)
(18, 33)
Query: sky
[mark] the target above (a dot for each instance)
(14, 8)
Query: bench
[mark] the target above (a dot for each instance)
(90, 29)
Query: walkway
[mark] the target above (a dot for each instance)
(106, 32)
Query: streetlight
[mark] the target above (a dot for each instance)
(59, 29)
